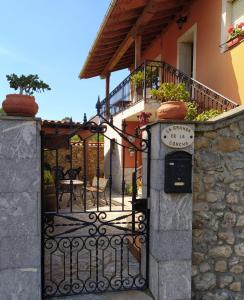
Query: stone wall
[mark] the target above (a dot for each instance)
(78, 158)
(20, 209)
(218, 209)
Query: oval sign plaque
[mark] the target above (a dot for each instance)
(177, 136)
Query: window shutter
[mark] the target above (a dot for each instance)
(237, 11)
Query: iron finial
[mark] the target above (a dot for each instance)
(98, 105)
(84, 118)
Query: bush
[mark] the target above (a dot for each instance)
(207, 115)
(48, 178)
(191, 111)
(128, 189)
(171, 92)
(2, 112)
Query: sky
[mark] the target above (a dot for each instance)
(52, 38)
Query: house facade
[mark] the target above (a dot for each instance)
(167, 41)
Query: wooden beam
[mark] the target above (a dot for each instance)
(131, 4)
(115, 34)
(130, 15)
(107, 95)
(118, 26)
(137, 51)
(111, 41)
(144, 18)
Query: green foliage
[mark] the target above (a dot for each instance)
(94, 138)
(191, 111)
(75, 138)
(192, 114)
(48, 178)
(170, 92)
(128, 189)
(2, 112)
(138, 77)
(27, 84)
(207, 115)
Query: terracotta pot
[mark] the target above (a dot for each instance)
(20, 105)
(175, 110)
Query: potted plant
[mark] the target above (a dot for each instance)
(137, 80)
(236, 34)
(23, 104)
(172, 97)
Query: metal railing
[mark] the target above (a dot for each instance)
(150, 75)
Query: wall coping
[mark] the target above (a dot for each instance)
(223, 120)
(19, 118)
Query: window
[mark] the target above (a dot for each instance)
(237, 15)
(232, 14)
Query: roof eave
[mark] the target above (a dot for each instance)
(107, 15)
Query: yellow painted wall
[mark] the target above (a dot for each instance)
(223, 72)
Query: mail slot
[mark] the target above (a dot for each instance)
(178, 172)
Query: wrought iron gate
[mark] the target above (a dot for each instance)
(94, 212)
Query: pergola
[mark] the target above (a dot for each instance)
(56, 134)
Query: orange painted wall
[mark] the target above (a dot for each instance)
(223, 72)
(130, 159)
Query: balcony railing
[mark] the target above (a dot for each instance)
(152, 74)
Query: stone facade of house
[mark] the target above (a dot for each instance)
(218, 210)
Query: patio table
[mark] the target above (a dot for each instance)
(75, 182)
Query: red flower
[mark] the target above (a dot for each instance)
(240, 25)
(231, 28)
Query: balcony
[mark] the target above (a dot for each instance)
(150, 75)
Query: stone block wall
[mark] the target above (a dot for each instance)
(170, 227)
(218, 209)
(20, 209)
(78, 158)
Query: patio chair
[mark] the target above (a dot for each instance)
(101, 188)
(72, 174)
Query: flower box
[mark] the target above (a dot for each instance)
(235, 40)
(236, 34)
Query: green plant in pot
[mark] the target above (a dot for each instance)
(138, 78)
(23, 104)
(172, 97)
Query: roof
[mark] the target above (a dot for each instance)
(60, 124)
(113, 48)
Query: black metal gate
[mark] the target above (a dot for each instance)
(94, 207)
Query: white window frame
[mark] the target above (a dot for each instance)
(226, 21)
(192, 30)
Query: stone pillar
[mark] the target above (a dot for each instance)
(170, 228)
(20, 187)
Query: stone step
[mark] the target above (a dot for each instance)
(126, 295)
